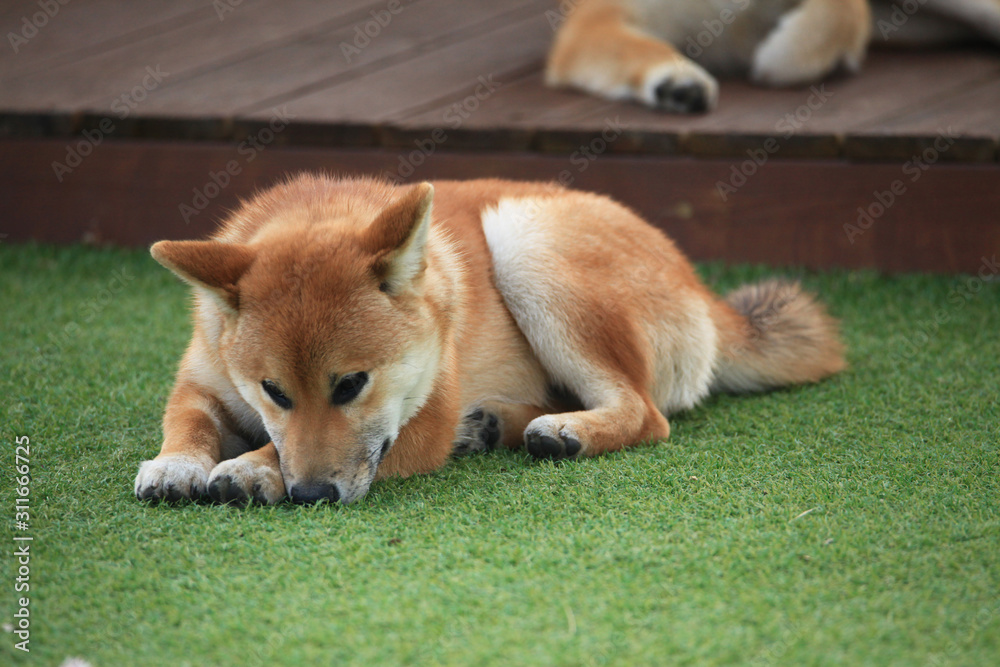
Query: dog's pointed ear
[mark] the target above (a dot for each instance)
(398, 237)
(212, 265)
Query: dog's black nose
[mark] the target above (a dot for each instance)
(305, 494)
(684, 98)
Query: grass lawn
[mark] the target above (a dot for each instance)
(853, 522)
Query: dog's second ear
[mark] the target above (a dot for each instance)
(398, 238)
(212, 265)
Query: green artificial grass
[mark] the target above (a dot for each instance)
(854, 522)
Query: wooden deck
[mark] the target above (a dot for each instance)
(162, 95)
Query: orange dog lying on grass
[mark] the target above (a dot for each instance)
(346, 330)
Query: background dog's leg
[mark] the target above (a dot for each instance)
(599, 49)
(192, 446)
(255, 475)
(812, 41)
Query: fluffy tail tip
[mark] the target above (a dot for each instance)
(773, 334)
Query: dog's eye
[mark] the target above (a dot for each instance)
(349, 387)
(276, 395)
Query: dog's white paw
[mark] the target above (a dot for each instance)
(680, 86)
(241, 479)
(172, 478)
(797, 52)
(546, 438)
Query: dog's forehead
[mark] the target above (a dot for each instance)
(319, 311)
(307, 265)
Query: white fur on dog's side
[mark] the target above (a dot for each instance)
(519, 241)
(524, 247)
(684, 358)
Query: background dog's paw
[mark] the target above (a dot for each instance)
(546, 439)
(172, 478)
(680, 86)
(239, 480)
(480, 431)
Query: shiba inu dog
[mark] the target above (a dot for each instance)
(660, 52)
(346, 330)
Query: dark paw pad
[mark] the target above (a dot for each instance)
(482, 431)
(167, 494)
(546, 447)
(224, 490)
(687, 97)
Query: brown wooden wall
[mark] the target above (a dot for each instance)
(789, 212)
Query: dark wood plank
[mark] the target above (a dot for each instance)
(964, 127)
(522, 114)
(804, 123)
(512, 42)
(792, 213)
(226, 78)
(93, 83)
(275, 75)
(81, 29)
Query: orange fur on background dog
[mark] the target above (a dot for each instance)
(661, 52)
(346, 330)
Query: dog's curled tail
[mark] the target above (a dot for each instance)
(773, 334)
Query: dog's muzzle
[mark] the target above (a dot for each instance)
(307, 494)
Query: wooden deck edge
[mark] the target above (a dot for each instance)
(813, 214)
(543, 140)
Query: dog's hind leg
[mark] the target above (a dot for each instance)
(601, 49)
(579, 325)
(812, 40)
(617, 416)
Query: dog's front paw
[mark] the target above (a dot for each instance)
(546, 439)
(481, 430)
(173, 478)
(239, 480)
(680, 86)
